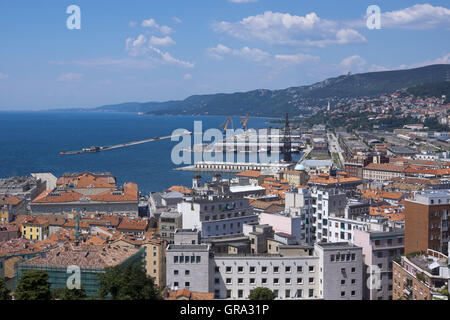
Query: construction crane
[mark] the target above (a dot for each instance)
(244, 122)
(227, 122)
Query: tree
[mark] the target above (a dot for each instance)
(33, 285)
(4, 291)
(261, 293)
(129, 282)
(69, 294)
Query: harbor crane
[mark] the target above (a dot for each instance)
(227, 122)
(244, 122)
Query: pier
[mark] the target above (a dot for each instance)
(96, 149)
(236, 167)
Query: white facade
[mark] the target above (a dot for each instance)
(300, 204)
(327, 202)
(216, 215)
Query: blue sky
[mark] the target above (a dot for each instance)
(148, 50)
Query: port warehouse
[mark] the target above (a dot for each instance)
(58, 274)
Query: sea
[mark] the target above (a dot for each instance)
(31, 142)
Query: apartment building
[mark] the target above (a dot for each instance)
(168, 222)
(88, 192)
(421, 276)
(326, 202)
(299, 204)
(383, 171)
(216, 215)
(340, 272)
(426, 222)
(325, 271)
(380, 249)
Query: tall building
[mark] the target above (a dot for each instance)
(426, 222)
(380, 249)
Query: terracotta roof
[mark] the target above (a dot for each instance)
(250, 174)
(34, 221)
(88, 180)
(385, 167)
(6, 199)
(132, 224)
(180, 189)
(185, 294)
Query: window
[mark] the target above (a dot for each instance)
(228, 281)
(311, 268)
(276, 269)
(228, 270)
(353, 270)
(311, 293)
(311, 280)
(353, 281)
(299, 269)
(264, 269)
(342, 293)
(332, 258)
(342, 282)
(299, 280)
(264, 280)
(175, 272)
(217, 280)
(252, 280)
(187, 284)
(240, 293)
(240, 269)
(288, 269)
(288, 294)
(299, 293)
(288, 280)
(353, 293)
(187, 272)
(175, 284)
(217, 269)
(276, 281)
(252, 269)
(240, 281)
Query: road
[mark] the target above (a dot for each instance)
(334, 147)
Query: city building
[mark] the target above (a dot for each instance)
(92, 261)
(426, 222)
(380, 249)
(421, 276)
(35, 228)
(88, 192)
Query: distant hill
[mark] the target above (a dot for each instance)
(434, 89)
(277, 102)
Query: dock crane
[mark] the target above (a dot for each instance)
(227, 122)
(244, 122)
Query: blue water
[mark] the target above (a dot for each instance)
(31, 141)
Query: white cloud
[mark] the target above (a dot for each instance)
(166, 41)
(3, 76)
(70, 77)
(187, 76)
(177, 20)
(168, 59)
(151, 23)
(419, 16)
(295, 59)
(141, 46)
(287, 29)
(252, 54)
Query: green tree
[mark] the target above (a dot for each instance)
(69, 294)
(4, 291)
(261, 293)
(33, 285)
(129, 282)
